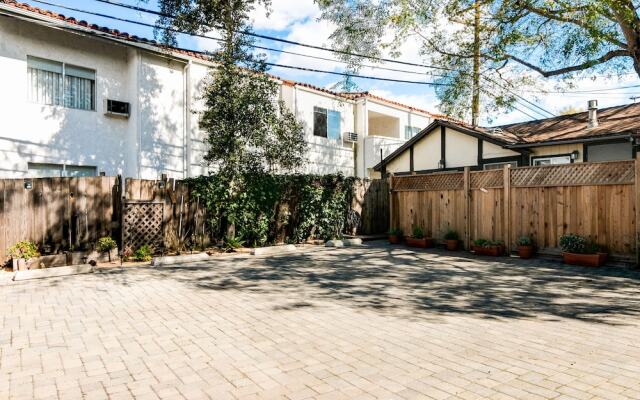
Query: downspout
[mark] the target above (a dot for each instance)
(139, 117)
(187, 120)
(366, 135)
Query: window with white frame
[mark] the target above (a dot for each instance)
(552, 160)
(499, 165)
(60, 84)
(410, 131)
(326, 123)
(50, 170)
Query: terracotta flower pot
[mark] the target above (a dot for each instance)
(421, 243)
(394, 239)
(586, 260)
(493, 251)
(452, 244)
(525, 251)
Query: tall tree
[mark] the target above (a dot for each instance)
(248, 129)
(516, 41)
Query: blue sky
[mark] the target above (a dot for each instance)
(298, 20)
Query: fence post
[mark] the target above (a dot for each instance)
(391, 205)
(636, 188)
(507, 207)
(467, 207)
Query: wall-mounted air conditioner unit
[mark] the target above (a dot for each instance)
(115, 108)
(350, 137)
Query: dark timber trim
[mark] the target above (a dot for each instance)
(443, 145)
(411, 158)
(480, 151)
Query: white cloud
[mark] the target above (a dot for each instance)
(283, 14)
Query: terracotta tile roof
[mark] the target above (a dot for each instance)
(360, 95)
(116, 34)
(611, 121)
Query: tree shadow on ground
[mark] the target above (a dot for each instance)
(425, 284)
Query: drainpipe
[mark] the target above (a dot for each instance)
(187, 120)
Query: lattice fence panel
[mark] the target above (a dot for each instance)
(417, 183)
(486, 179)
(142, 224)
(578, 174)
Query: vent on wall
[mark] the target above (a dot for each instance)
(115, 108)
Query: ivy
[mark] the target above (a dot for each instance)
(265, 207)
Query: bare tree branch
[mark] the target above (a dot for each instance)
(585, 65)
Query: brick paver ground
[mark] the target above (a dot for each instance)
(358, 323)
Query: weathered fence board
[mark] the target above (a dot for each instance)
(597, 200)
(58, 213)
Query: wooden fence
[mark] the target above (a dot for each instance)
(597, 200)
(61, 214)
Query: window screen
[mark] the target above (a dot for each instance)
(54, 83)
(319, 121)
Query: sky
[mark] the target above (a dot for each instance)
(298, 20)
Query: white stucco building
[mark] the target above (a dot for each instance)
(80, 99)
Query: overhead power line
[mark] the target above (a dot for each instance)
(281, 40)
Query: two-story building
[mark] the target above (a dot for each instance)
(80, 99)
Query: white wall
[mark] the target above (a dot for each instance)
(325, 155)
(461, 150)
(53, 134)
(490, 150)
(426, 151)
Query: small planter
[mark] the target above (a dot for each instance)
(452, 245)
(525, 251)
(394, 239)
(585, 260)
(493, 251)
(421, 243)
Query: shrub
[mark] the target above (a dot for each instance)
(487, 242)
(395, 232)
(524, 241)
(144, 253)
(106, 244)
(451, 235)
(418, 233)
(572, 243)
(25, 250)
(231, 243)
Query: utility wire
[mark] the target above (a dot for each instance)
(257, 35)
(220, 40)
(283, 51)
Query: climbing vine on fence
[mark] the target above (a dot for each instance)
(264, 208)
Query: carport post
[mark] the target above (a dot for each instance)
(506, 201)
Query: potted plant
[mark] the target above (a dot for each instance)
(417, 239)
(486, 247)
(21, 253)
(578, 250)
(452, 239)
(106, 245)
(525, 247)
(395, 235)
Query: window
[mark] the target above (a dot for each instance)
(46, 170)
(552, 160)
(410, 131)
(326, 123)
(500, 165)
(55, 83)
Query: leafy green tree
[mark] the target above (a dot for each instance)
(493, 50)
(249, 131)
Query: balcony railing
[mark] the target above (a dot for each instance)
(373, 145)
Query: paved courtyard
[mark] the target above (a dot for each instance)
(358, 323)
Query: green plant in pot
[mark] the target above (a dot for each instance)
(525, 247)
(487, 247)
(418, 239)
(579, 250)
(452, 239)
(105, 245)
(395, 235)
(21, 253)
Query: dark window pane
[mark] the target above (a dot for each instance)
(319, 122)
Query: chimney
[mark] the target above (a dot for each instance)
(593, 114)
